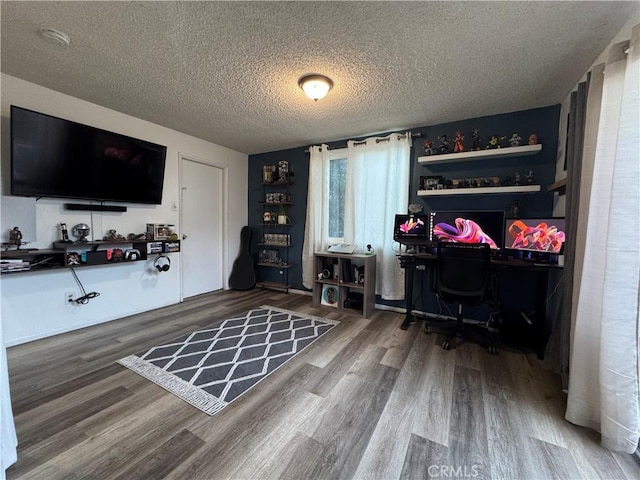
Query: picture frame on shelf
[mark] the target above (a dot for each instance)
(268, 173)
(269, 256)
(430, 182)
(329, 296)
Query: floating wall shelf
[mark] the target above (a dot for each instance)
(560, 186)
(484, 154)
(480, 190)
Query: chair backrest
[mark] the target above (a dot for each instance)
(463, 272)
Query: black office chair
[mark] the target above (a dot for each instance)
(463, 276)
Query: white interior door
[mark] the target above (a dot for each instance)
(201, 228)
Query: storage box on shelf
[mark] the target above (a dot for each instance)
(351, 279)
(506, 152)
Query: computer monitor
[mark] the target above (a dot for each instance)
(481, 226)
(410, 227)
(545, 235)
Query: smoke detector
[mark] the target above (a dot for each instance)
(55, 36)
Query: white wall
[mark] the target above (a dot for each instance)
(33, 303)
(624, 34)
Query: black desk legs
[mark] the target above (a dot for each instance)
(408, 295)
(543, 328)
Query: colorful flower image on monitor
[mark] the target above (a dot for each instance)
(539, 235)
(412, 225)
(464, 231)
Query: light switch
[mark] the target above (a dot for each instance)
(174, 205)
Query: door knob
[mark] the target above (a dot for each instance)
(184, 237)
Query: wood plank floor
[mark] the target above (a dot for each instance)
(366, 401)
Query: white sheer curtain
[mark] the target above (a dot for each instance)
(315, 229)
(604, 375)
(377, 188)
(8, 439)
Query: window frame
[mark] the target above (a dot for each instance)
(334, 155)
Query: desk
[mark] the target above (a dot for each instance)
(427, 261)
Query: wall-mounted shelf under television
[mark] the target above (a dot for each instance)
(87, 254)
(480, 190)
(484, 154)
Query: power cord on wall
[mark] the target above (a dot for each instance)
(84, 299)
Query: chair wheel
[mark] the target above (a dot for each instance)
(493, 350)
(446, 345)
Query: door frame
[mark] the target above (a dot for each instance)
(182, 157)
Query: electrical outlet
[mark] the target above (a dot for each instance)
(68, 298)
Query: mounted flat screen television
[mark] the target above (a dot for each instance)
(481, 226)
(545, 235)
(53, 157)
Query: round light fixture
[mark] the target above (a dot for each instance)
(315, 86)
(55, 36)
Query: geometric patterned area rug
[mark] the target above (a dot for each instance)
(210, 368)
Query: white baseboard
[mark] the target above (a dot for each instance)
(300, 292)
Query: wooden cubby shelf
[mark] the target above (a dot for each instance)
(335, 270)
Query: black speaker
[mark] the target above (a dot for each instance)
(354, 300)
(95, 208)
(347, 271)
(162, 263)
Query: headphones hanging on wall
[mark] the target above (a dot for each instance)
(162, 263)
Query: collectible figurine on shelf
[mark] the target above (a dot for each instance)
(475, 139)
(514, 209)
(65, 233)
(457, 142)
(530, 177)
(15, 237)
(533, 139)
(444, 144)
(494, 142)
(428, 147)
(514, 141)
(113, 236)
(516, 178)
(506, 181)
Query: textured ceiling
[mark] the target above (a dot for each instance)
(227, 72)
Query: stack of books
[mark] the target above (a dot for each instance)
(14, 265)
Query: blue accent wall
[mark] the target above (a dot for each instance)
(541, 121)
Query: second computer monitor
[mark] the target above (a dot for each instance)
(545, 235)
(411, 228)
(480, 226)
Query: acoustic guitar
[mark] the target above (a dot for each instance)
(243, 274)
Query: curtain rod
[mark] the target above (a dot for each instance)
(378, 140)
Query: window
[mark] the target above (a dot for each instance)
(337, 175)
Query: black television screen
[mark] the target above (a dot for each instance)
(535, 234)
(481, 226)
(53, 157)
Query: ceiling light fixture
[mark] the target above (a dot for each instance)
(55, 36)
(315, 86)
